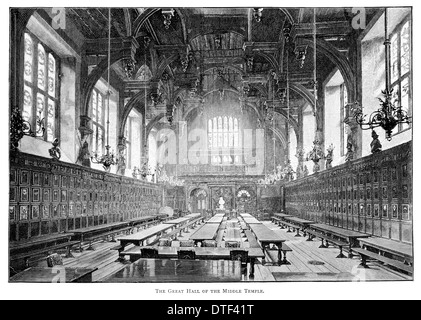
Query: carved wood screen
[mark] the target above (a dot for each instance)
(49, 197)
(372, 195)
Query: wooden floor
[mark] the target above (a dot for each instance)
(308, 262)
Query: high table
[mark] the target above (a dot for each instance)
(58, 274)
(182, 271)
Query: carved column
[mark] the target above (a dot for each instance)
(121, 147)
(84, 157)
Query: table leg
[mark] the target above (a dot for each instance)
(309, 238)
(289, 230)
(68, 253)
(322, 246)
(285, 261)
(280, 257)
(252, 263)
(90, 248)
(341, 255)
(298, 232)
(350, 253)
(363, 264)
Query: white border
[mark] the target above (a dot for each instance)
(273, 291)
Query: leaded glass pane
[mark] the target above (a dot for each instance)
(100, 109)
(405, 102)
(51, 120)
(51, 75)
(29, 58)
(94, 135)
(100, 139)
(236, 140)
(394, 61)
(405, 49)
(41, 68)
(396, 103)
(235, 125)
(40, 110)
(94, 106)
(27, 104)
(226, 143)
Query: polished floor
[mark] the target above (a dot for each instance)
(308, 262)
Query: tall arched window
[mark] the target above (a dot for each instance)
(224, 133)
(98, 121)
(41, 94)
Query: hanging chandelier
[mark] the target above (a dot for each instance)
(170, 180)
(389, 115)
(108, 159)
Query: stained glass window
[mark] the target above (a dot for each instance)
(40, 87)
(401, 67)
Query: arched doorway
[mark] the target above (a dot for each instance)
(199, 201)
(246, 200)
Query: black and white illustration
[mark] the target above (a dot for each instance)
(210, 145)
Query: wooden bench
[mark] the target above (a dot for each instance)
(289, 225)
(365, 254)
(328, 240)
(26, 256)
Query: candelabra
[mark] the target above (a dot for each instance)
(107, 160)
(390, 114)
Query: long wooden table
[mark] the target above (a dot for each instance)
(178, 221)
(207, 232)
(401, 250)
(252, 220)
(267, 237)
(201, 253)
(351, 237)
(179, 271)
(58, 274)
(232, 234)
(138, 238)
(216, 219)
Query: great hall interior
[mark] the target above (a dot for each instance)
(210, 145)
